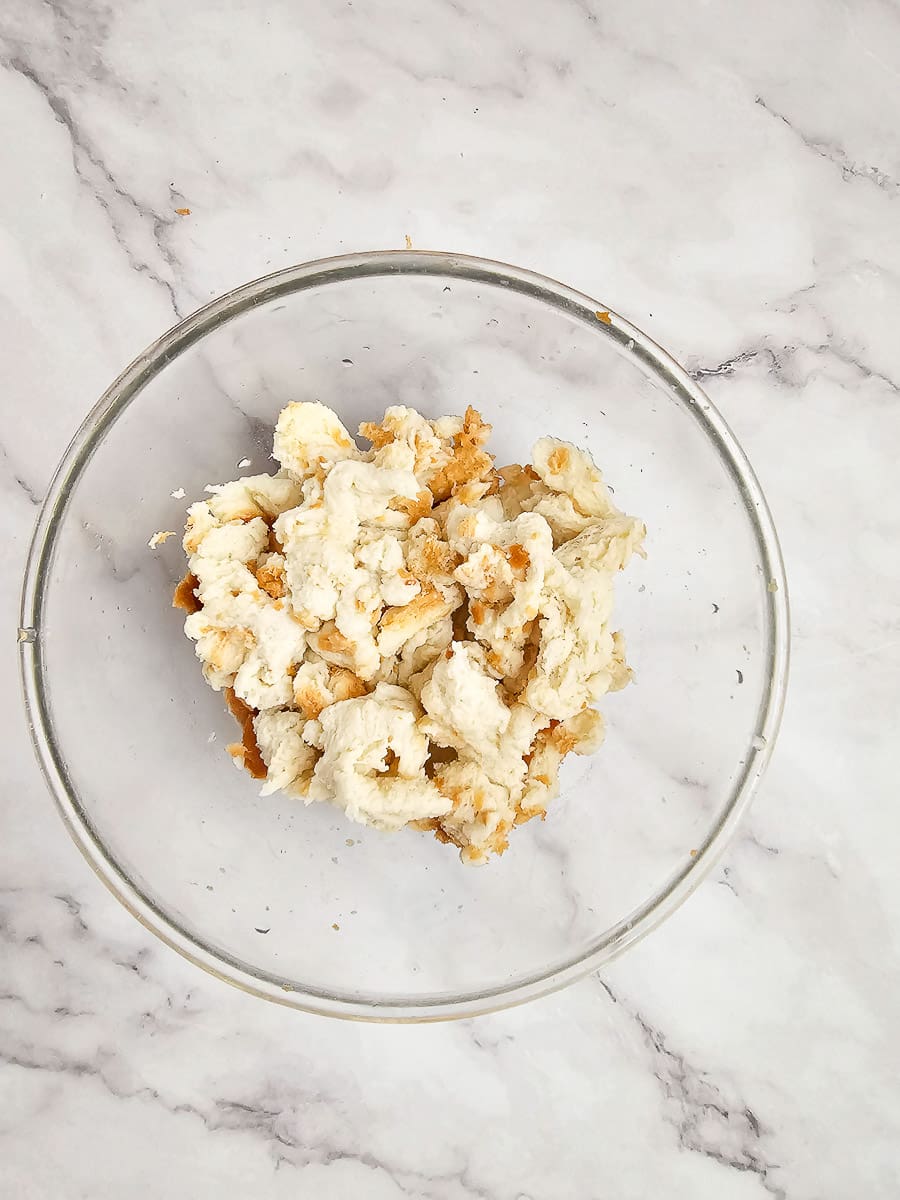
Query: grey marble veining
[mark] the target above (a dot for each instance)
(728, 178)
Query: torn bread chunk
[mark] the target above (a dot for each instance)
(373, 760)
(289, 760)
(244, 636)
(308, 436)
(406, 632)
(581, 734)
(444, 454)
(320, 539)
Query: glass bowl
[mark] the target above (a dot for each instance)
(297, 904)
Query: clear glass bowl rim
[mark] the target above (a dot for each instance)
(653, 360)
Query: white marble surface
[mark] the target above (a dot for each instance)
(729, 178)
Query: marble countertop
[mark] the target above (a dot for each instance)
(728, 177)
